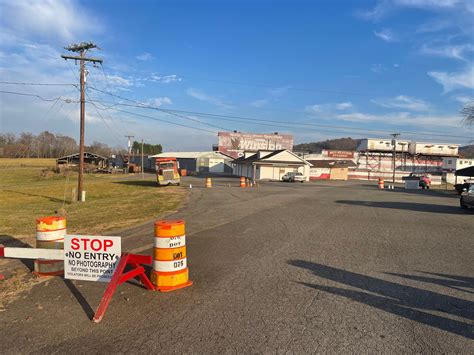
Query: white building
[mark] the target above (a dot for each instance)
(200, 162)
(270, 165)
(453, 164)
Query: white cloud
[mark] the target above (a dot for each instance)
(202, 96)
(386, 35)
(449, 51)
(159, 101)
(453, 81)
(403, 118)
(377, 68)
(260, 103)
(145, 57)
(344, 105)
(464, 99)
(166, 79)
(63, 19)
(403, 102)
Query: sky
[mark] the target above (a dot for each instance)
(315, 69)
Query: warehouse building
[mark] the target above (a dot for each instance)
(330, 169)
(270, 165)
(200, 162)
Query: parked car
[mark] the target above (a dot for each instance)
(467, 198)
(293, 177)
(465, 185)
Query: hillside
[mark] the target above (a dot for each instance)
(331, 144)
(467, 151)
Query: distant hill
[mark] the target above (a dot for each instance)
(331, 144)
(467, 151)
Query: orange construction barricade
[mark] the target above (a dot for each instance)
(50, 233)
(208, 182)
(381, 183)
(170, 270)
(242, 181)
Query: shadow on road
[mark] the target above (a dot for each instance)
(455, 282)
(12, 242)
(411, 206)
(80, 298)
(405, 301)
(430, 192)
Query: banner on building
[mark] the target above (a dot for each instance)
(234, 144)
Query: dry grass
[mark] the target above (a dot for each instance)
(112, 202)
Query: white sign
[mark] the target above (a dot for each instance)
(90, 257)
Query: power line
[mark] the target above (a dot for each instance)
(238, 118)
(67, 100)
(36, 84)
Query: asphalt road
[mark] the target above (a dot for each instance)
(315, 267)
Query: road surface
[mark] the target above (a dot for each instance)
(314, 267)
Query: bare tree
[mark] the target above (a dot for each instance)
(468, 114)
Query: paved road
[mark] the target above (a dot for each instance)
(317, 267)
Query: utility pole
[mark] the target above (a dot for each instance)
(143, 168)
(394, 142)
(82, 49)
(129, 144)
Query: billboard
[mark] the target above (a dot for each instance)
(235, 143)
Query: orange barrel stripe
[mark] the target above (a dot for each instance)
(169, 279)
(169, 228)
(169, 254)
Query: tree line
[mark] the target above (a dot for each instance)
(47, 145)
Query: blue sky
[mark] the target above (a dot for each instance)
(390, 65)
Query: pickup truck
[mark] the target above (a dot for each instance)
(293, 177)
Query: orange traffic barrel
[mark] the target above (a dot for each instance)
(208, 182)
(170, 270)
(242, 181)
(50, 233)
(381, 183)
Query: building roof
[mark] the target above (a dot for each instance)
(465, 172)
(332, 163)
(266, 159)
(189, 155)
(86, 155)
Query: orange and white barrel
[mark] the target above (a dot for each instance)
(50, 233)
(242, 181)
(381, 183)
(208, 182)
(170, 270)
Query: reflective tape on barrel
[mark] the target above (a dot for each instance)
(170, 280)
(47, 244)
(169, 266)
(169, 254)
(170, 242)
(51, 235)
(169, 228)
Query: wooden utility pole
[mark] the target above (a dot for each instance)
(82, 49)
(143, 168)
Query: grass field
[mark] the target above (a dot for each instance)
(112, 201)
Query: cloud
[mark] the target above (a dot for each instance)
(402, 118)
(202, 96)
(159, 101)
(63, 19)
(386, 35)
(464, 99)
(145, 57)
(454, 81)
(403, 102)
(260, 103)
(377, 68)
(449, 51)
(273, 96)
(329, 107)
(344, 105)
(164, 79)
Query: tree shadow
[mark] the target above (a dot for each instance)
(405, 301)
(80, 298)
(52, 199)
(12, 242)
(411, 206)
